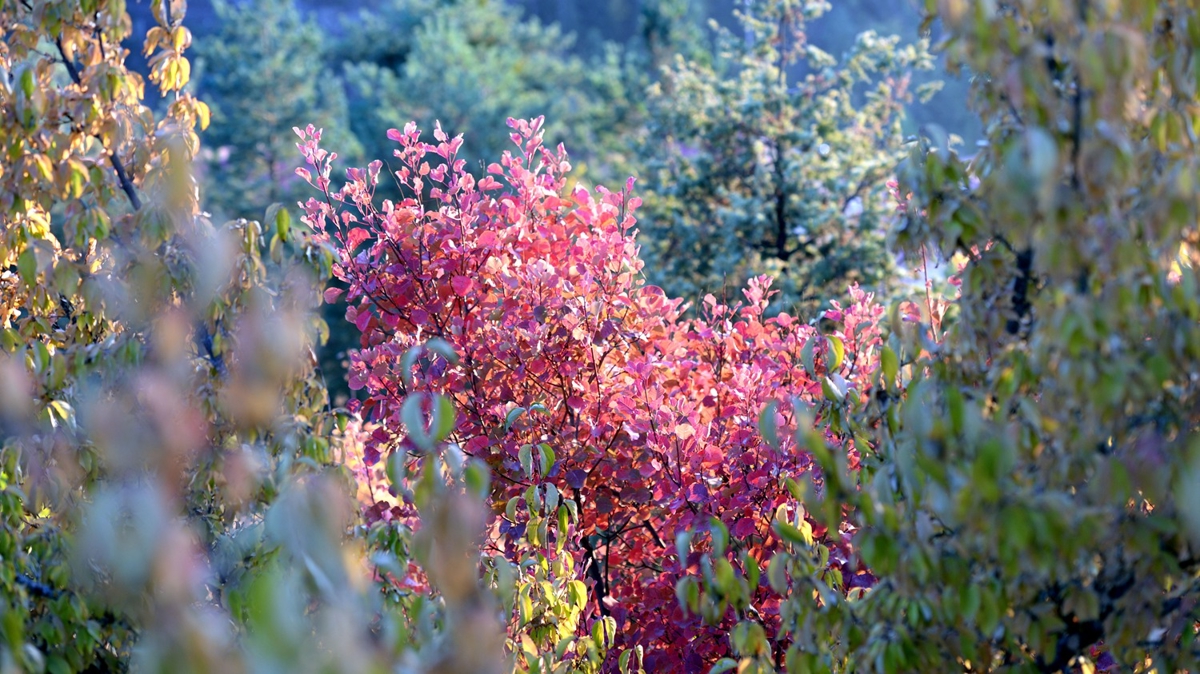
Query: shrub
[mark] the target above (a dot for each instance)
(587, 394)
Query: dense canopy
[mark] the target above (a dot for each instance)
(439, 340)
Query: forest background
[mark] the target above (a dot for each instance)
(265, 66)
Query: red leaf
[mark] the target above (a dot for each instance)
(744, 528)
(461, 284)
(355, 237)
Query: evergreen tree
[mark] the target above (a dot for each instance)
(471, 64)
(773, 160)
(263, 74)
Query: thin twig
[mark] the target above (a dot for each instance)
(122, 174)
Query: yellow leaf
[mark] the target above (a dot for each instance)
(203, 114)
(45, 168)
(181, 38)
(184, 74)
(153, 36)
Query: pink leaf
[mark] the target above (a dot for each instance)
(333, 294)
(461, 284)
(355, 237)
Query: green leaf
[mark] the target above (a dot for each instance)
(444, 417)
(720, 536)
(837, 350)
(683, 544)
(512, 416)
(777, 572)
(525, 605)
(801, 535)
(766, 424)
(577, 593)
(603, 631)
(27, 266)
(10, 339)
(477, 477)
(525, 456)
(971, 599)
(28, 83)
(723, 665)
(444, 349)
(806, 356)
(414, 422)
(396, 469)
(684, 589)
(725, 578)
(56, 664)
(753, 573)
(545, 459)
(283, 223)
(890, 364)
(832, 391)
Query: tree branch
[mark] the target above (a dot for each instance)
(122, 174)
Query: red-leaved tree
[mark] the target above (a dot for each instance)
(575, 381)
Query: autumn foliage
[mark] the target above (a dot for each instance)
(583, 389)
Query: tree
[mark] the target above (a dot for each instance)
(471, 64)
(1028, 501)
(264, 73)
(772, 160)
(596, 405)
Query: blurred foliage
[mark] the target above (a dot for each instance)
(1029, 500)
(264, 73)
(174, 494)
(754, 169)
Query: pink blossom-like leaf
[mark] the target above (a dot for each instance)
(355, 237)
